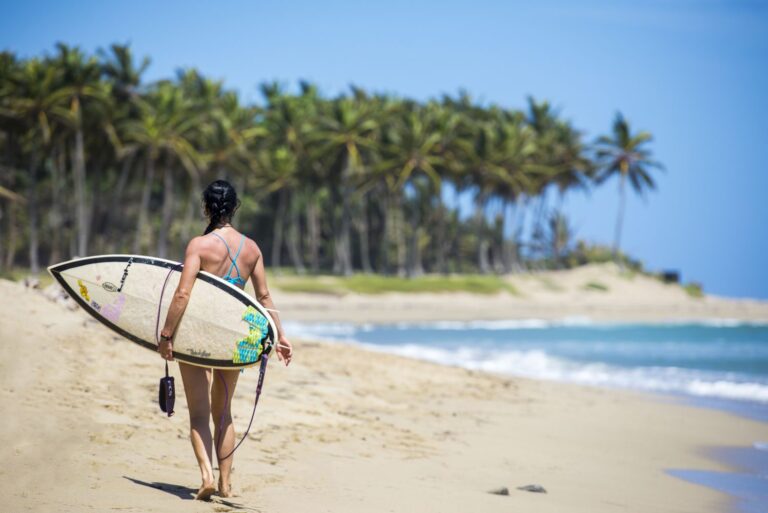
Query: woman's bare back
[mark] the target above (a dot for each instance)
(215, 259)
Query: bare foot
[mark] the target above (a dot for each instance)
(205, 492)
(225, 491)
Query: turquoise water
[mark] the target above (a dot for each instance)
(723, 361)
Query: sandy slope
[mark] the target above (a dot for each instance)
(340, 430)
(544, 295)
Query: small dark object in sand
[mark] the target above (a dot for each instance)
(500, 491)
(532, 488)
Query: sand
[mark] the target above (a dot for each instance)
(552, 295)
(339, 430)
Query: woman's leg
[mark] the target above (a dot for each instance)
(224, 383)
(197, 382)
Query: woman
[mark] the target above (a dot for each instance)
(207, 391)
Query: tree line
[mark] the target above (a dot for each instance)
(94, 160)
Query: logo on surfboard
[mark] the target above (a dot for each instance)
(109, 286)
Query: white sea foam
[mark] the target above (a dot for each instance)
(509, 324)
(538, 364)
(515, 324)
(326, 331)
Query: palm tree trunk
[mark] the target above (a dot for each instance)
(361, 225)
(13, 230)
(167, 214)
(313, 233)
(32, 213)
(294, 236)
(277, 232)
(538, 229)
(482, 244)
(2, 218)
(56, 216)
(382, 259)
(80, 199)
(442, 247)
(507, 245)
(518, 229)
(619, 217)
(415, 266)
(343, 249)
(117, 199)
(189, 213)
(146, 191)
(399, 233)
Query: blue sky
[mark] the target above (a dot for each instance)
(694, 73)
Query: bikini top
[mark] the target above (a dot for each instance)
(234, 280)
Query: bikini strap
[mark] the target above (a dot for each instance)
(229, 255)
(225, 244)
(234, 260)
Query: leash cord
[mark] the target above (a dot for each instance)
(160, 307)
(262, 372)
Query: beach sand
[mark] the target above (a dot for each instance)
(551, 295)
(340, 430)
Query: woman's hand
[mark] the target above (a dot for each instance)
(284, 350)
(165, 347)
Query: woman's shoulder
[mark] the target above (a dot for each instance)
(199, 243)
(251, 244)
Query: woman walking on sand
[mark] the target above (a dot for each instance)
(225, 252)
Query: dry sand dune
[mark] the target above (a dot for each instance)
(340, 430)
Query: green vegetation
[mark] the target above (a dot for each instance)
(625, 156)
(585, 253)
(549, 284)
(95, 160)
(595, 285)
(377, 284)
(19, 274)
(694, 289)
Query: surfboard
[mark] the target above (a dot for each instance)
(222, 327)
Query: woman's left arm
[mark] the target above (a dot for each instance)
(180, 298)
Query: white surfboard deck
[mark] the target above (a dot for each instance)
(222, 327)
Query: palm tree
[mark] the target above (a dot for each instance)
(560, 235)
(120, 69)
(346, 183)
(412, 156)
(34, 102)
(82, 79)
(277, 173)
(624, 154)
(347, 134)
(123, 74)
(513, 148)
(289, 121)
(164, 133)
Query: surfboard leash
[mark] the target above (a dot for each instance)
(259, 385)
(167, 386)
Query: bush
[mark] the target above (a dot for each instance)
(694, 289)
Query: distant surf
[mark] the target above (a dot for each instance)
(720, 358)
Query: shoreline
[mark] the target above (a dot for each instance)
(342, 428)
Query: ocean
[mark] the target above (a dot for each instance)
(719, 364)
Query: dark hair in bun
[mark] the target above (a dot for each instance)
(220, 201)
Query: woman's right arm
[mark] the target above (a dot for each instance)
(259, 279)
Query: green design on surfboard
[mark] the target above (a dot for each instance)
(249, 348)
